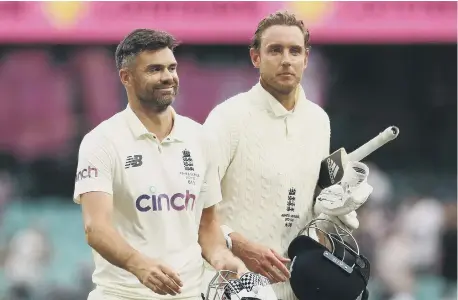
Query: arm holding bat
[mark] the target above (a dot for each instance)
(333, 166)
(342, 185)
(340, 201)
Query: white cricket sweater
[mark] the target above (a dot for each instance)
(269, 161)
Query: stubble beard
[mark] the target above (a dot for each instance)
(158, 103)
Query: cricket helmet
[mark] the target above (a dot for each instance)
(327, 263)
(225, 285)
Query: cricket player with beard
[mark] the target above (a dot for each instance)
(270, 142)
(148, 187)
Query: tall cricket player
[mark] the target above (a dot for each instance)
(270, 142)
(148, 187)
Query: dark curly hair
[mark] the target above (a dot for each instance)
(141, 40)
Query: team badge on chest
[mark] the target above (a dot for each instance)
(290, 214)
(188, 165)
(187, 161)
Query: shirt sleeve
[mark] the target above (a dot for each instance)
(210, 192)
(327, 138)
(95, 167)
(223, 139)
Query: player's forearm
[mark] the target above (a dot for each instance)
(212, 242)
(106, 240)
(239, 243)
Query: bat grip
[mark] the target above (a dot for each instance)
(364, 150)
(381, 139)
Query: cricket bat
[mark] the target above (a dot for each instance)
(332, 167)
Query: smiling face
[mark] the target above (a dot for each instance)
(281, 57)
(153, 78)
(148, 68)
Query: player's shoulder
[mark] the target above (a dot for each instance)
(105, 133)
(317, 112)
(189, 124)
(316, 109)
(235, 108)
(240, 100)
(194, 131)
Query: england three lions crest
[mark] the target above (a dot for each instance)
(187, 160)
(188, 165)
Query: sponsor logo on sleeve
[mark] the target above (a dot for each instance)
(89, 172)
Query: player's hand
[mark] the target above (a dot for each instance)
(225, 260)
(157, 276)
(348, 222)
(265, 261)
(340, 201)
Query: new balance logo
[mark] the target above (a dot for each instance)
(333, 168)
(134, 161)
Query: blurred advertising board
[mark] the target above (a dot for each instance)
(226, 22)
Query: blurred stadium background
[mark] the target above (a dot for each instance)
(373, 64)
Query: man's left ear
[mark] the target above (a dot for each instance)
(306, 59)
(255, 58)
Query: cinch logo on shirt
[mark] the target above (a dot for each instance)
(161, 202)
(87, 173)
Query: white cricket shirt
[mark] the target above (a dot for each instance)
(269, 161)
(159, 191)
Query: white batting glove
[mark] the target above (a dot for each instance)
(349, 221)
(343, 199)
(330, 206)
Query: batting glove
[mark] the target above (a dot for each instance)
(340, 201)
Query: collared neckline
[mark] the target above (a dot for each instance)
(275, 106)
(139, 130)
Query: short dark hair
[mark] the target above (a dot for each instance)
(141, 40)
(279, 18)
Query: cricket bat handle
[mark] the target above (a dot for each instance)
(381, 139)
